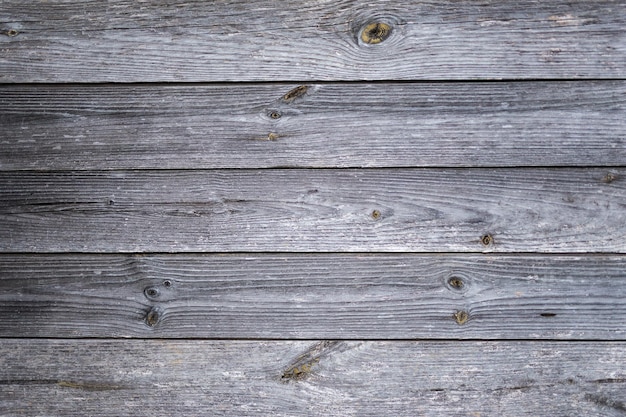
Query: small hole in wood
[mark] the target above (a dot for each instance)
(376, 214)
(461, 317)
(275, 114)
(375, 33)
(456, 283)
(486, 240)
(167, 283)
(12, 33)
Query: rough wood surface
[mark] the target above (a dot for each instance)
(232, 40)
(239, 378)
(391, 210)
(318, 296)
(313, 125)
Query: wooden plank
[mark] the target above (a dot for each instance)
(392, 210)
(313, 125)
(298, 296)
(252, 378)
(234, 40)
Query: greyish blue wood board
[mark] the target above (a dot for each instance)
(316, 208)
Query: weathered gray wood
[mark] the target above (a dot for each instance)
(315, 125)
(235, 40)
(314, 296)
(393, 210)
(253, 378)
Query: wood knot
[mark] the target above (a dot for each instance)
(153, 317)
(375, 33)
(295, 93)
(609, 178)
(151, 293)
(456, 283)
(12, 33)
(461, 317)
(376, 214)
(274, 114)
(486, 240)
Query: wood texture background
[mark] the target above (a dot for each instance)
(496, 124)
(251, 378)
(230, 40)
(399, 210)
(239, 208)
(317, 296)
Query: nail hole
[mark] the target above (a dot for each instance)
(111, 202)
(461, 317)
(456, 282)
(548, 314)
(275, 114)
(167, 283)
(152, 318)
(375, 33)
(151, 292)
(486, 240)
(376, 214)
(12, 32)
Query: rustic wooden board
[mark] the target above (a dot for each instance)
(252, 378)
(313, 125)
(230, 40)
(317, 296)
(391, 210)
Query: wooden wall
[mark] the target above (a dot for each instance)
(325, 208)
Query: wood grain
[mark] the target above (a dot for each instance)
(315, 125)
(127, 41)
(246, 378)
(329, 296)
(392, 210)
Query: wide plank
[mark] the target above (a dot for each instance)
(252, 378)
(389, 210)
(314, 296)
(236, 40)
(47, 127)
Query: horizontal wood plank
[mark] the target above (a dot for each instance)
(298, 296)
(392, 210)
(313, 125)
(234, 40)
(239, 378)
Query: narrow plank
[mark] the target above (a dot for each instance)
(239, 378)
(314, 125)
(329, 296)
(391, 210)
(234, 40)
